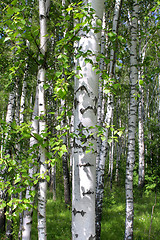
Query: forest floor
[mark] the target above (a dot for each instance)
(113, 218)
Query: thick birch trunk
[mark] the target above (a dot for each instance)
(131, 126)
(42, 235)
(85, 112)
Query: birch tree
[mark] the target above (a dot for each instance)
(42, 188)
(105, 119)
(141, 120)
(85, 120)
(27, 215)
(131, 125)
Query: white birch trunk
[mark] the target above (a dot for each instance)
(9, 119)
(11, 111)
(106, 122)
(85, 112)
(131, 126)
(111, 152)
(141, 140)
(42, 235)
(27, 215)
(140, 123)
(11, 107)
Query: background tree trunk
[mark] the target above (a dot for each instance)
(131, 126)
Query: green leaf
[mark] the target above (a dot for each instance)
(47, 178)
(103, 138)
(58, 127)
(6, 39)
(120, 133)
(63, 147)
(106, 91)
(14, 2)
(46, 86)
(109, 140)
(141, 82)
(88, 151)
(112, 34)
(69, 9)
(99, 22)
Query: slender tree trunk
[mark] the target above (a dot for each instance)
(27, 215)
(131, 126)
(140, 122)
(9, 119)
(118, 145)
(21, 120)
(85, 113)
(67, 191)
(141, 140)
(105, 122)
(100, 150)
(111, 159)
(53, 182)
(42, 189)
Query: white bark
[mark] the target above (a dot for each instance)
(106, 122)
(131, 126)
(27, 215)
(141, 139)
(85, 112)
(140, 123)
(11, 107)
(42, 125)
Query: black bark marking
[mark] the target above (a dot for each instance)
(42, 17)
(81, 212)
(83, 88)
(80, 126)
(89, 192)
(92, 237)
(76, 235)
(75, 145)
(95, 100)
(82, 110)
(75, 103)
(85, 165)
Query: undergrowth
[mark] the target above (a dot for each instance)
(113, 217)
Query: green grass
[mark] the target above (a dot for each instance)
(58, 221)
(113, 218)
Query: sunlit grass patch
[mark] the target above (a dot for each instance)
(113, 217)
